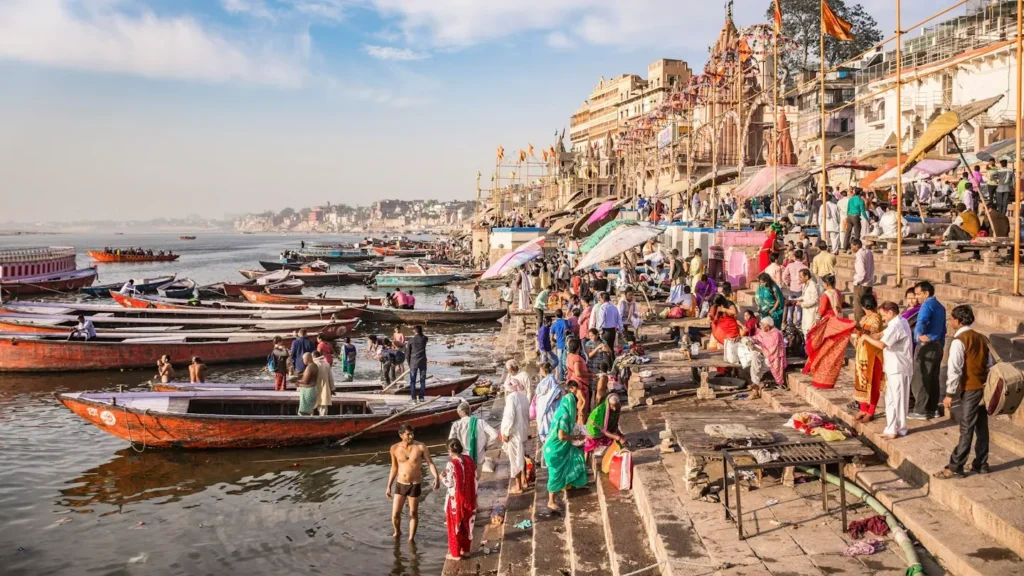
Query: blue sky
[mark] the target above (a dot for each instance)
(142, 108)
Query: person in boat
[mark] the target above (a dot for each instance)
(277, 363)
(307, 385)
(197, 370)
(565, 461)
(416, 354)
(300, 347)
(325, 348)
(149, 252)
(515, 427)
(474, 433)
(410, 300)
(324, 383)
(397, 337)
(451, 302)
(399, 299)
(407, 458)
(460, 500)
(128, 289)
(388, 300)
(164, 369)
(84, 329)
(348, 359)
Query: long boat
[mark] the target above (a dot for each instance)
(250, 419)
(182, 288)
(178, 304)
(332, 331)
(263, 298)
(103, 311)
(289, 286)
(413, 279)
(141, 285)
(163, 325)
(336, 255)
(272, 266)
(401, 252)
(317, 278)
(439, 388)
(402, 316)
(109, 257)
(40, 353)
(49, 283)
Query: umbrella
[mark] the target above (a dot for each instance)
(924, 169)
(561, 224)
(603, 231)
(944, 125)
(516, 258)
(601, 211)
(724, 175)
(618, 241)
(763, 182)
(999, 150)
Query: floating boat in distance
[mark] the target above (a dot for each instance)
(250, 419)
(183, 288)
(279, 282)
(438, 388)
(287, 265)
(142, 286)
(186, 237)
(402, 316)
(110, 257)
(42, 271)
(329, 254)
(401, 252)
(263, 298)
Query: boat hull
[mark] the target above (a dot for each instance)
(384, 251)
(264, 298)
(444, 388)
(214, 431)
(103, 291)
(110, 258)
(274, 266)
(61, 282)
(284, 287)
(400, 316)
(414, 280)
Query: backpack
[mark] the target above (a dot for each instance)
(272, 362)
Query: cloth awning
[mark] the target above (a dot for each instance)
(561, 225)
(945, 124)
(674, 188)
(763, 182)
(723, 176)
(924, 169)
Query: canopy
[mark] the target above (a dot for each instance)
(845, 164)
(578, 203)
(944, 125)
(618, 241)
(924, 169)
(1003, 149)
(595, 202)
(763, 182)
(516, 258)
(603, 231)
(724, 175)
(676, 187)
(601, 211)
(561, 224)
(552, 214)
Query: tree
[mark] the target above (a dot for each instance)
(801, 23)
(287, 212)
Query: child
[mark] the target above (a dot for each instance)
(749, 323)
(348, 359)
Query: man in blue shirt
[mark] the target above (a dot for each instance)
(609, 322)
(544, 342)
(930, 336)
(300, 346)
(558, 330)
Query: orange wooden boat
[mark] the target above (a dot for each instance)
(179, 304)
(247, 419)
(440, 388)
(403, 252)
(101, 256)
(264, 298)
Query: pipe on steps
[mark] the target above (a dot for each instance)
(898, 533)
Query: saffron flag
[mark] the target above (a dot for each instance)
(778, 16)
(544, 153)
(522, 155)
(834, 25)
(744, 51)
(501, 153)
(529, 150)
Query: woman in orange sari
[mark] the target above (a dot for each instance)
(828, 339)
(869, 380)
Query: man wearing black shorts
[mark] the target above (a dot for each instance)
(407, 459)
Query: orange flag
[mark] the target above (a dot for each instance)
(744, 51)
(778, 16)
(529, 150)
(500, 155)
(834, 25)
(544, 153)
(522, 155)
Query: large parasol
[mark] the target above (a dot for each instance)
(763, 182)
(603, 231)
(601, 211)
(1001, 150)
(618, 241)
(516, 258)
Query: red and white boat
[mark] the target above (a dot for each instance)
(42, 270)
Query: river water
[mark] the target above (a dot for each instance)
(75, 500)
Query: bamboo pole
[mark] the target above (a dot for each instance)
(1017, 161)
(714, 148)
(775, 127)
(899, 150)
(824, 178)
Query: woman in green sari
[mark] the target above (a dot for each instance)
(566, 465)
(770, 301)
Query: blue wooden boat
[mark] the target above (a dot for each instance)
(184, 288)
(336, 255)
(420, 278)
(142, 286)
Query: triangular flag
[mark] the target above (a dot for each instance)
(834, 25)
(744, 51)
(529, 150)
(778, 16)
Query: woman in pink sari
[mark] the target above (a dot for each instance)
(460, 502)
(828, 339)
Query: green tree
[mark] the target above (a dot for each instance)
(801, 23)
(286, 213)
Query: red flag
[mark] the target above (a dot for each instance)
(834, 25)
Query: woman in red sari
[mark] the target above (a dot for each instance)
(460, 503)
(828, 339)
(723, 320)
(768, 247)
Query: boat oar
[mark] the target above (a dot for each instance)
(414, 406)
(395, 380)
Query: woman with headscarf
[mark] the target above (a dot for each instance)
(828, 339)
(515, 425)
(603, 425)
(869, 378)
(545, 401)
(770, 356)
(459, 477)
(705, 292)
(567, 466)
(768, 247)
(770, 301)
(307, 386)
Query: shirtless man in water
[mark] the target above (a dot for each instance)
(407, 459)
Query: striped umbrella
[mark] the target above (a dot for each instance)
(516, 258)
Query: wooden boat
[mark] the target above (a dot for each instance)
(263, 298)
(249, 419)
(400, 316)
(20, 353)
(142, 286)
(272, 266)
(273, 282)
(109, 311)
(336, 255)
(179, 304)
(186, 237)
(401, 252)
(101, 256)
(48, 283)
(439, 388)
(183, 288)
(418, 278)
(169, 325)
(14, 327)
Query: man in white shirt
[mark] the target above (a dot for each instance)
(84, 329)
(887, 224)
(128, 289)
(842, 205)
(898, 366)
(829, 213)
(924, 194)
(773, 269)
(863, 275)
(629, 310)
(484, 434)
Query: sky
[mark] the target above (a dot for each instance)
(136, 109)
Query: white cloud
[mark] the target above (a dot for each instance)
(392, 53)
(101, 38)
(559, 41)
(325, 9)
(254, 8)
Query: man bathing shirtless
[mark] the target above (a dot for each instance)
(407, 459)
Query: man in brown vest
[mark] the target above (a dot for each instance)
(967, 372)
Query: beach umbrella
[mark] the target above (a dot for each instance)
(516, 258)
(763, 182)
(999, 150)
(944, 125)
(618, 241)
(561, 224)
(601, 211)
(924, 169)
(603, 231)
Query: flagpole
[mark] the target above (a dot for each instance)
(899, 149)
(714, 146)
(775, 115)
(1017, 170)
(824, 192)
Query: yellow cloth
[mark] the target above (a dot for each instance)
(828, 435)
(971, 224)
(696, 270)
(823, 264)
(867, 356)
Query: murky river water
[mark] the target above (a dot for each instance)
(75, 500)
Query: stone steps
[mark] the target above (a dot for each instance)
(623, 529)
(586, 532)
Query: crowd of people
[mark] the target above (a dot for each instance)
(135, 252)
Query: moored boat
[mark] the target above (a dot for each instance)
(42, 271)
(279, 282)
(286, 265)
(111, 257)
(186, 237)
(263, 298)
(328, 254)
(251, 419)
(400, 252)
(178, 304)
(413, 279)
(402, 316)
(183, 288)
(142, 286)
(438, 388)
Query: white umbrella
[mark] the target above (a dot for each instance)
(617, 242)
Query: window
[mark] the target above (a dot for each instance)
(844, 125)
